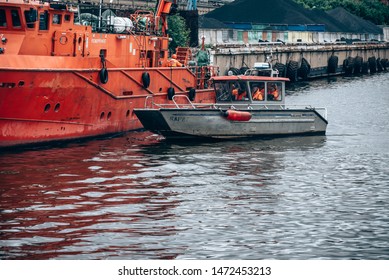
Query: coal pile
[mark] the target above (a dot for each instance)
(205, 22)
(286, 12)
(354, 22)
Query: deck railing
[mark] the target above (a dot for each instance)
(187, 104)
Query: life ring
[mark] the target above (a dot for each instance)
(146, 79)
(192, 94)
(103, 75)
(63, 40)
(170, 93)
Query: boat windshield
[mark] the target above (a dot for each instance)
(256, 91)
(228, 91)
(274, 91)
(266, 91)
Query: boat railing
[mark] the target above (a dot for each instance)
(320, 110)
(249, 106)
(182, 96)
(149, 103)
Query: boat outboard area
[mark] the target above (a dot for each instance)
(245, 107)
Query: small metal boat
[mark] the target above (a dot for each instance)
(246, 106)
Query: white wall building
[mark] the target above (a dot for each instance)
(386, 33)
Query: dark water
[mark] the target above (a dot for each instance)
(137, 197)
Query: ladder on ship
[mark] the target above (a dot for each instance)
(184, 55)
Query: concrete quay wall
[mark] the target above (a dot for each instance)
(234, 56)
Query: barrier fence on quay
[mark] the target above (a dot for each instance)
(300, 61)
(232, 36)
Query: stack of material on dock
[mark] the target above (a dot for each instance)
(354, 22)
(211, 23)
(289, 12)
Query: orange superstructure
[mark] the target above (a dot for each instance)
(65, 74)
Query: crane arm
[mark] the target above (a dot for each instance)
(162, 10)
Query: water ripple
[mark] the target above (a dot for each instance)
(137, 197)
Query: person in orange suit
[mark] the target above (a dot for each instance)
(273, 92)
(238, 93)
(173, 62)
(258, 93)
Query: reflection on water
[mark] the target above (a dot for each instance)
(138, 197)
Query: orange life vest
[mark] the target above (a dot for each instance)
(275, 94)
(174, 63)
(258, 95)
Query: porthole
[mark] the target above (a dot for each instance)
(109, 116)
(47, 108)
(21, 83)
(127, 113)
(102, 115)
(56, 108)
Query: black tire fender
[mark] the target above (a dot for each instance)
(146, 79)
(192, 94)
(291, 70)
(304, 69)
(281, 69)
(372, 64)
(170, 93)
(332, 64)
(103, 75)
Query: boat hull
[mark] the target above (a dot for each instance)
(65, 73)
(179, 124)
(43, 106)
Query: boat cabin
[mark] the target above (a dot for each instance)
(250, 89)
(25, 15)
(262, 69)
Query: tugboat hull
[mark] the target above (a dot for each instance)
(65, 74)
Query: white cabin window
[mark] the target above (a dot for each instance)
(274, 91)
(239, 91)
(257, 91)
(223, 93)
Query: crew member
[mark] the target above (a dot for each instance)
(258, 94)
(173, 62)
(273, 92)
(238, 93)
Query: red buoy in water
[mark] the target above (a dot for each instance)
(240, 116)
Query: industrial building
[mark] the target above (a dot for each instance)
(283, 21)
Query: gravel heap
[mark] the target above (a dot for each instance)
(289, 12)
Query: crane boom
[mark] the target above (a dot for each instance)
(162, 10)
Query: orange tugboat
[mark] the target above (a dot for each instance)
(64, 76)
